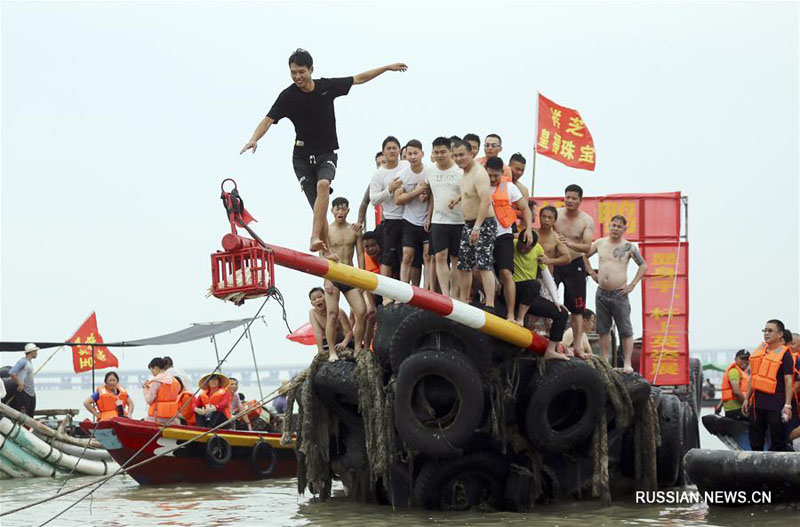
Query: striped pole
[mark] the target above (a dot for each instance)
(396, 290)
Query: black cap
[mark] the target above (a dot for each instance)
(743, 354)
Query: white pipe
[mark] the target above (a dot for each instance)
(25, 460)
(10, 470)
(79, 451)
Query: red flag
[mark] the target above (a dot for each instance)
(304, 335)
(563, 135)
(82, 355)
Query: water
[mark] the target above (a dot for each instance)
(122, 502)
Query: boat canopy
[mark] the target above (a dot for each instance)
(196, 331)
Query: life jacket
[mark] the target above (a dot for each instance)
(165, 405)
(503, 211)
(215, 398)
(371, 265)
(255, 410)
(107, 402)
(764, 368)
(188, 411)
(727, 390)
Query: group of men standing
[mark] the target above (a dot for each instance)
(468, 220)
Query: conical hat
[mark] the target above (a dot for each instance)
(223, 380)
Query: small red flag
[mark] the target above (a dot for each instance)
(82, 355)
(563, 136)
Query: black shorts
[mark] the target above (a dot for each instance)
(342, 287)
(392, 241)
(310, 169)
(573, 276)
(504, 252)
(414, 236)
(446, 237)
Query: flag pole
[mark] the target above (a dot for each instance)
(535, 142)
(93, 384)
(48, 360)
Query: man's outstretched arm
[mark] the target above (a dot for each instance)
(259, 132)
(367, 76)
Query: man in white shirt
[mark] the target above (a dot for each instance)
(445, 220)
(415, 211)
(381, 192)
(507, 203)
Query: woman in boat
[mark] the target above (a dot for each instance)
(161, 393)
(213, 403)
(109, 400)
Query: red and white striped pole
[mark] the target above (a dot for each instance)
(396, 290)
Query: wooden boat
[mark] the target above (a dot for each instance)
(225, 455)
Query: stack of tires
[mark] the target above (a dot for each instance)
(443, 373)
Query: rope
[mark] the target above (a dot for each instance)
(273, 291)
(83, 452)
(255, 364)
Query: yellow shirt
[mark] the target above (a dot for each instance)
(526, 266)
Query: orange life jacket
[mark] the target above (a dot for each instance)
(188, 411)
(107, 402)
(371, 265)
(503, 211)
(165, 405)
(727, 390)
(215, 398)
(255, 409)
(764, 368)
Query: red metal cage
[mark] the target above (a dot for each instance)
(241, 274)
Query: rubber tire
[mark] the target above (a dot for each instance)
(638, 388)
(212, 458)
(400, 493)
(586, 395)
(484, 472)
(460, 372)
(388, 318)
(255, 455)
(669, 457)
(696, 381)
(337, 380)
(425, 329)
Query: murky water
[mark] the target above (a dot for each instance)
(122, 502)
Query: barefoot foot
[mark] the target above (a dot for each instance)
(554, 355)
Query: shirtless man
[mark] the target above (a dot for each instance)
(555, 252)
(344, 241)
(477, 237)
(575, 229)
(474, 141)
(517, 167)
(445, 220)
(615, 252)
(308, 103)
(317, 317)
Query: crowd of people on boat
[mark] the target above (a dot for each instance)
(463, 226)
(171, 399)
(763, 388)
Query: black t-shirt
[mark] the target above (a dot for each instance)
(312, 113)
(775, 401)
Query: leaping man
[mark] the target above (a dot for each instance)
(308, 103)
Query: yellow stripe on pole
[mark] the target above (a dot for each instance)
(507, 331)
(347, 274)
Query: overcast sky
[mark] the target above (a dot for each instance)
(119, 120)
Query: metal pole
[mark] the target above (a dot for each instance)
(216, 351)
(255, 364)
(93, 384)
(685, 200)
(535, 142)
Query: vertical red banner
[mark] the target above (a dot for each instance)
(665, 310)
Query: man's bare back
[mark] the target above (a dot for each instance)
(473, 180)
(612, 273)
(574, 229)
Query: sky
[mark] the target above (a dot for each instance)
(120, 120)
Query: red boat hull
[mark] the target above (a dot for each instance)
(123, 437)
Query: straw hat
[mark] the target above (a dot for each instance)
(223, 380)
(31, 347)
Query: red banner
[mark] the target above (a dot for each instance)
(665, 311)
(562, 135)
(651, 217)
(82, 355)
